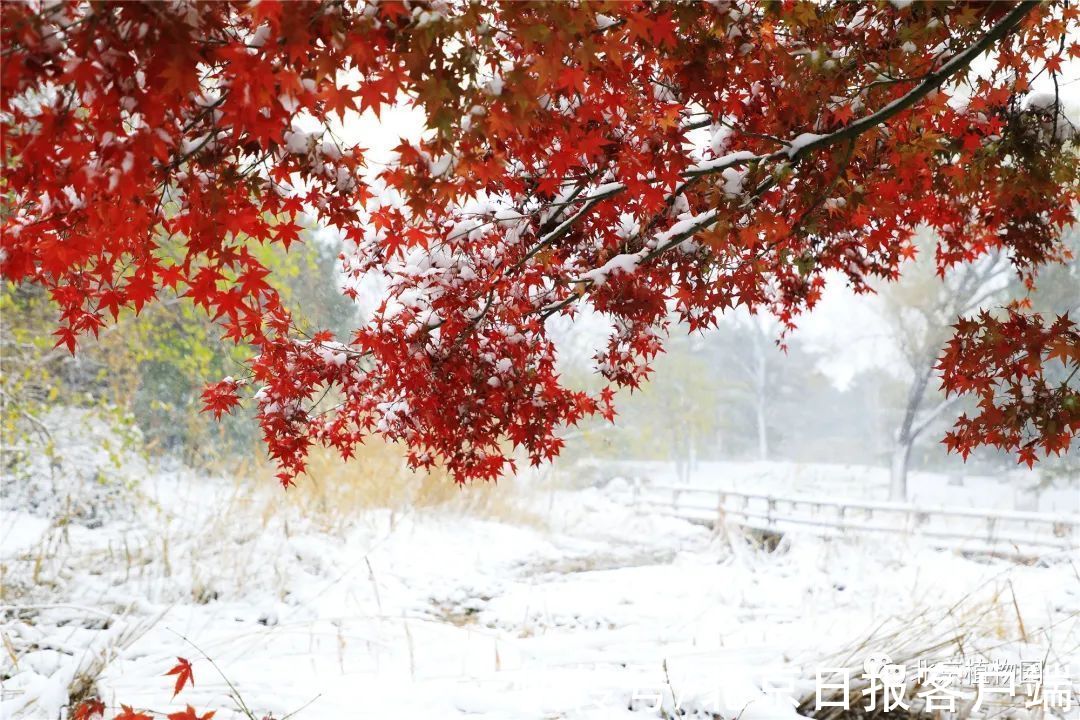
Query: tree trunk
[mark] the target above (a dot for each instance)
(692, 460)
(898, 471)
(762, 432)
(905, 437)
(761, 388)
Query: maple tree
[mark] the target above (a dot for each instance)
(647, 159)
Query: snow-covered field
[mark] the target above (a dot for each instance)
(586, 608)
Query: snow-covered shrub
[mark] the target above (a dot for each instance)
(81, 466)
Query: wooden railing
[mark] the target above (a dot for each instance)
(1007, 531)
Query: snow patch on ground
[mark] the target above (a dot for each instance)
(600, 611)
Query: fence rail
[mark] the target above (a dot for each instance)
(998, 531)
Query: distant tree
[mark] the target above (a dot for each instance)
(919, 313)
(766, 392)
(147, 370)
(746, 348)
(672, 416)
(679, 402)
(758, 365)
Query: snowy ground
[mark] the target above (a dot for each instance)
(591, 610)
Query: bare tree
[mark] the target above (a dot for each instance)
(746, 345)
(919, 313)
(756, 367)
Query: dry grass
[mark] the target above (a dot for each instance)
(982, 622)
(333, 498)
(207, 543)
(333, 493)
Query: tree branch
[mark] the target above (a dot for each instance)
(801, 147)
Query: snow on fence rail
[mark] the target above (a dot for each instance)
(1008, 531)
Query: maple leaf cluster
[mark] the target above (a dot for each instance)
(647, 159)
(1019, 370)
(94, 708)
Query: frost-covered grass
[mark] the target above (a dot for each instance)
(538, 602)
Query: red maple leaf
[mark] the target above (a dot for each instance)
(287, 233)
(88, 709)
(339, 99)
(843, 114)
(218, 398)
(183, 673)
(189, 714)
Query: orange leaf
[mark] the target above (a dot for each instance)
(183, 674)
(88, 709)
(189, 714)
(128, 714)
